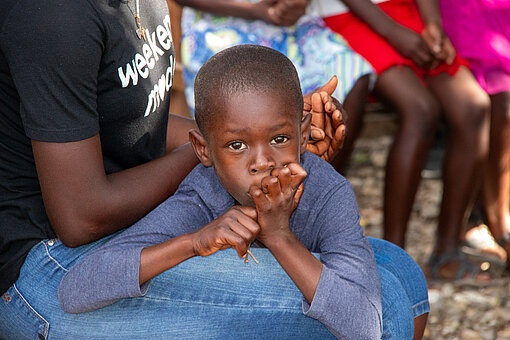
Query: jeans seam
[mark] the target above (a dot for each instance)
(53, 259)
(32, 310)
(223, 305)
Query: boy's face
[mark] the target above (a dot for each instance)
(253, 134)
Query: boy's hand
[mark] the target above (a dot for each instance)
(236, 228)
(276, 200)
(328, 127)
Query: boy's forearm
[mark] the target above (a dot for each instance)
(160, 257)
(297, 261)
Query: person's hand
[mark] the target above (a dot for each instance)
(412, 45)
(276, 199)
(236, 228)
(287, 12)
(327, 131)
(279, 12)
(438, 43)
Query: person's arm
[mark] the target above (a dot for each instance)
(433, 32)
(348, 296)
(342, 289)
(177, 133)
(167, 236)
(407, 42)
(276, 12)
(85, 204)
(275, 203)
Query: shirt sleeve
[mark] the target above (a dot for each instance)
(111, 272)
(54, 51)
(348, 296)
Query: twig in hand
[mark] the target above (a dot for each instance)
(246, 258)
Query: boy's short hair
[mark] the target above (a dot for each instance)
(239, 69)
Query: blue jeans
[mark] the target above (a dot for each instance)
(191, 301)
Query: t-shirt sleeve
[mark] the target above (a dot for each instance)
(348, 297)
(111, 272)
(54, 50)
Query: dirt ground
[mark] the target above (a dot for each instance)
(464, 312)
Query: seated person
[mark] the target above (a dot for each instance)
(288, 26)
(257, 187)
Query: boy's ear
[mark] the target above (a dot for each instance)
(200, 146)
(305, 131)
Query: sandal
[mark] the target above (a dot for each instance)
(481, 244)
(467, 271)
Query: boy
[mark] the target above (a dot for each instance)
(256, 184)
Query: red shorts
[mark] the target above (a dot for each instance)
(377, 51)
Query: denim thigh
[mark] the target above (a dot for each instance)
(400, 264)
(215, 297)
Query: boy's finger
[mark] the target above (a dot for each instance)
(248, 211)
(299, 193)
(284, 177)
(298, 174)
(237, 242)
(248, 232)
(258, 196)
(271, 186)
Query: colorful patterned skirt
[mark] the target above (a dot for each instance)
(316, 51)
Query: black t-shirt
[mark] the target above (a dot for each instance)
(70, 70)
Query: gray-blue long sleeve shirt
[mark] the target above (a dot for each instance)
(347, 299)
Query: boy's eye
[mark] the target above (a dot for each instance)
(237, 146)
(279, 140)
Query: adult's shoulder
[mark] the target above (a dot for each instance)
(46, 14)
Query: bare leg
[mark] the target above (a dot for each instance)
(354, 104)
(467, 112)
(497, 179)
(419, 116)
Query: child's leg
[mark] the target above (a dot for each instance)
(393, 261)
(419, 115)
(466, 108)
(354, 105)
(497, 179)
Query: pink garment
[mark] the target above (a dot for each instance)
(480, 32)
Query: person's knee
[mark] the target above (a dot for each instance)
(422, 114)
(476, 113)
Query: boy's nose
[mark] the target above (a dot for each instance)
(261, 162)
